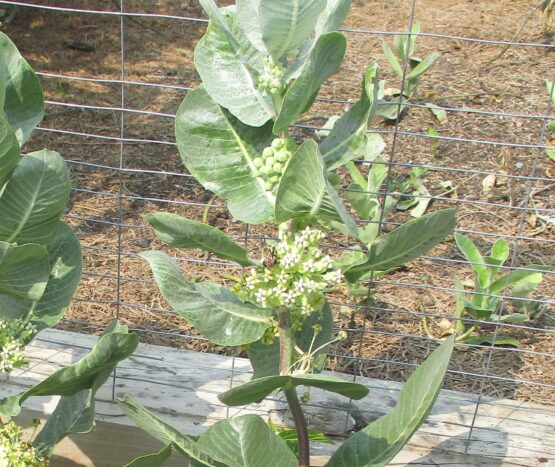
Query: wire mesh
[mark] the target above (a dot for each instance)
(111, 115)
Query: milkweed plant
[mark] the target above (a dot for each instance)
(262, 64)
(40, 269)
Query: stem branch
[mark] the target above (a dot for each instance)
(286, 361)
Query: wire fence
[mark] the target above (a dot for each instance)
(110, 112)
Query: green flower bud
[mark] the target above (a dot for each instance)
(282, 156)
(265, 170)
(274, 179)
(270, 162)
(268, 152)
(278, 143)
(258, 162)
(268, 185)
(277, 168)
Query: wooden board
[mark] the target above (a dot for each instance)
(182, 387)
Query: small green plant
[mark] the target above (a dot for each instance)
(262, 64)
(391, 101)
(489, 283)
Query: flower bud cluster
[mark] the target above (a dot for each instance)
(298, 276)
(13, 336)
(271, 166)
(14, 451)
(272, 80)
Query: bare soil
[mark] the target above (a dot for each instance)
(386, 337)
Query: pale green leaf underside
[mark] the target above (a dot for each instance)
(212, 309)
(218, 150)
(347, 139)
(324, 60)
(305, 192)
(286, 24)
(228, 70)
(180, 232)
(379, 442)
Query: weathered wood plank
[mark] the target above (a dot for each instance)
(182, 386)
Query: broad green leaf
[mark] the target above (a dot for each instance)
(473, 256)
(489, 340)
(219, 150)
(180, 232)
(286, 24)
(550, 153)
(246, 441)
(330, 20)
(265, 357)
(379, 442)
(34, 198)
(229, 68)
(152, 460)
(84, 374)
(423, 67)
(406, 243)
(66, 267)
(73, 414)
(249, 21)
(23, 101)
(9, 151)
(160, 430)
(325, 59)
(23, 270)
(212, 309)
(332, 17)
(392, 60)
(257, 389)
(348, 139)
(305, 193)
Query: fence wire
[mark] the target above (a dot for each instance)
(124, 161)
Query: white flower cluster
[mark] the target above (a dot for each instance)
(14, 451)
(272, 81)
(297, 277)
(13, 336)
(271, 166)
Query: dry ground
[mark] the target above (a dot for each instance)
(387, 334)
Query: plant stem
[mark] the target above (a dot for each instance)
(300, 424)
(286, 360)
(286, 341)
